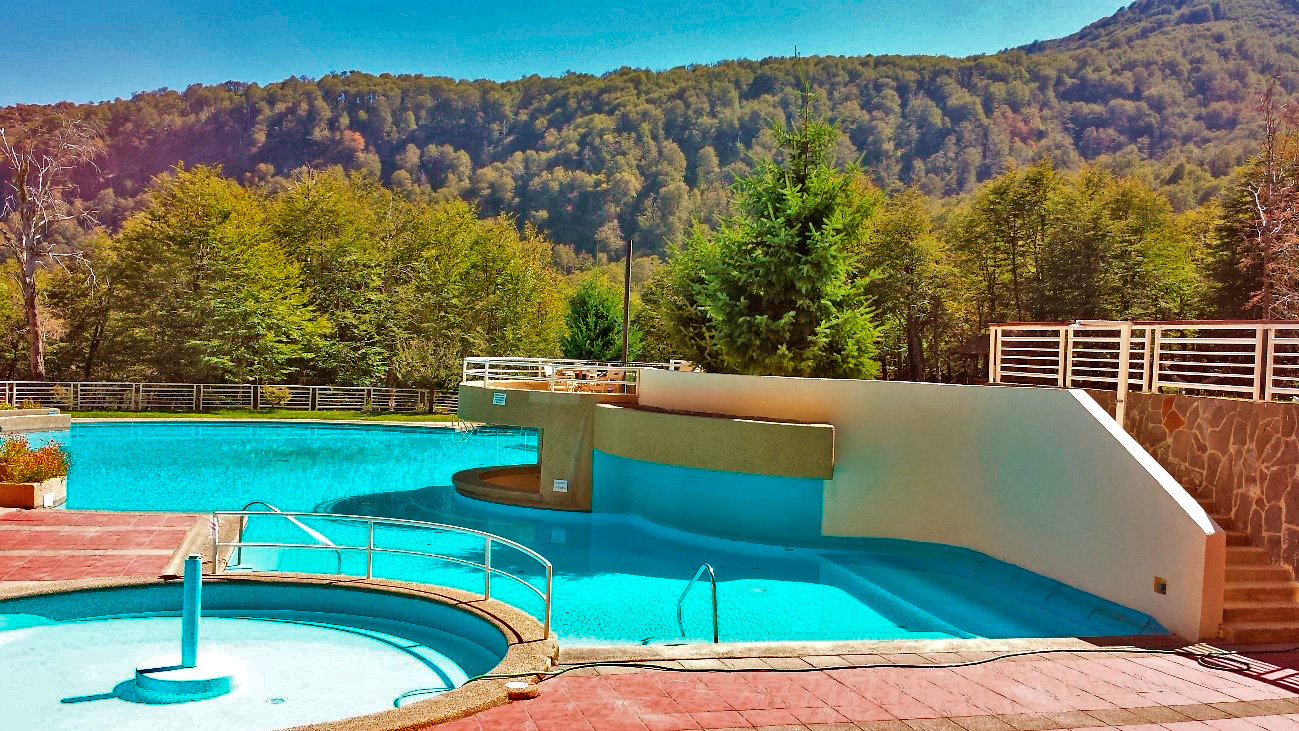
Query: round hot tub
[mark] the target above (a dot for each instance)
(296, 652)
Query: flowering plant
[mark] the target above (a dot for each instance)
(20, 463)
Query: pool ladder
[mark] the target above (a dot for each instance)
(311, 532)
(712, 579)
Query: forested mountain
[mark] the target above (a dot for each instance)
(1164, 90)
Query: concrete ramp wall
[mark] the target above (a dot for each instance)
(1039, 478)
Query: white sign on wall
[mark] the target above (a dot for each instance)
(498, 398)
(561, 486)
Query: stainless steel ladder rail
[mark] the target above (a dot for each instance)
(712, 579)
(311, 532)
(370, 549)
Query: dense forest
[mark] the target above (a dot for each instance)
(1163, 91)
(823, 216)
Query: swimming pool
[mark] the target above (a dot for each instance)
(617, 577)
(298, 654)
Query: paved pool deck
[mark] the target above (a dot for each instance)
(1070, 690)
(1067, 690)
(53, 545)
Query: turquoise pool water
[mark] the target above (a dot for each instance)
(617, 577)
(298, 655)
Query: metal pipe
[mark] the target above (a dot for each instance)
(191, 606)
(712, 578)
(487, 572)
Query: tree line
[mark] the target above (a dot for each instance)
(1162, 92)
(329, 276)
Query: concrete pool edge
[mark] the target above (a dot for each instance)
(863, 648)
(235, 419)
(528, 651)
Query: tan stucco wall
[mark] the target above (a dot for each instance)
(1040, 478)
(566, 422)
(24, 420)
(728, 444)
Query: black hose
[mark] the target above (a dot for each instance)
(1223, 660)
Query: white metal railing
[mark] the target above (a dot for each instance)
(125, 396)
(562, 375)
(370, 549)
(1247, 358)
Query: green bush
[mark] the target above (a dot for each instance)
(275, 396)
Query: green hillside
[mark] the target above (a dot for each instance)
(1164, 90)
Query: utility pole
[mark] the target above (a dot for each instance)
(626, 301)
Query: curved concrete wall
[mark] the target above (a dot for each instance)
(565, 422)
(718, 443)
(1039, 478)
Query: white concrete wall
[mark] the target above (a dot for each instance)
(1041, 478)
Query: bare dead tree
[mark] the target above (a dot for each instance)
(1273, 233)
(39, 159)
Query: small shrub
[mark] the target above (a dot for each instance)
(6, 406)
(20, 463)
(30, 403)
(62, 395)
(275, 396)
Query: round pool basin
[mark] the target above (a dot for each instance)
(301, 654)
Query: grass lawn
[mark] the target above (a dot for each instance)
(265, 414)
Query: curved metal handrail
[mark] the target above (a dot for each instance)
(712, 578)
(312, 532)
(370, 549)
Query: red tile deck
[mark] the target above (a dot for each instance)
(1059, 691)
(49, 545)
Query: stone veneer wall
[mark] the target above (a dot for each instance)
(1242, 454)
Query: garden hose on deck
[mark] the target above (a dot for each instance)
(1223, 660)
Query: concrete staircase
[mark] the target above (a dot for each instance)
(1260, 598)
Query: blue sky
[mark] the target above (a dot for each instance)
(89, 50)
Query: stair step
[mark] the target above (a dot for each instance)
(1261, 591)
(1259, 633)
(1257, 572)
(1279, 612)
(1237, 538)
(1246, 555)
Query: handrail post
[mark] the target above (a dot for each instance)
(1270, 363)
(1156, 333)
(550, 573)
(1261, 367)
(487, 569)
(994, 345)
(369, 549)
(1065, 359)
(1125, 364)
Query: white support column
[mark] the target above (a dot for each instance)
(1125, 365)
(1155, 357)
(994, 359)
(1064, 358)
(1269, 365)
(1260, 366)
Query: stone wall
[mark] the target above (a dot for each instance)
(1242, 454)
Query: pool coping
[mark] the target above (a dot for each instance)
(576, 655)
(528, 650)
(221, 419)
